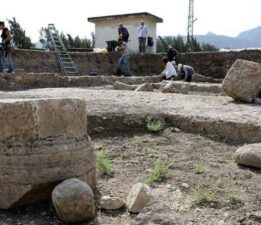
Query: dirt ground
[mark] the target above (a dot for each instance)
(205, 185)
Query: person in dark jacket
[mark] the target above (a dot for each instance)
(172, 53)
(6, 48)
(123, 33)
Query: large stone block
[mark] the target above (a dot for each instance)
(42, 142)
(243, 80)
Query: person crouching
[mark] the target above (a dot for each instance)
(185, 72)
(169, 72)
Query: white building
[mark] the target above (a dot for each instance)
(106, 29)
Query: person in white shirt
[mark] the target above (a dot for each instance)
(142, 35)
(169, 72)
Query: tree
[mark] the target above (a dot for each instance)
(77, 43)
(64, 40)
(208, 47)
(163, 43)
(93, 39)
(179, 44)
(70, 40)
(86, 43)
(195, 45)
(19, 37)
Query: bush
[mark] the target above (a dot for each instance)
(104, 164)
(199, 169)
(159, 173)
(234, 200)
(167, 133)
(154, 126)
(201, 196)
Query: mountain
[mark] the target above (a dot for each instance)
(251, 35)
(247, 39)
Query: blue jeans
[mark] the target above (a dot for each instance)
(10, 62)
(123, 67)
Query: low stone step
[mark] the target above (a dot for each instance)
(127, 110)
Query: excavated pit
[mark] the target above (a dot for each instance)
(117, 120)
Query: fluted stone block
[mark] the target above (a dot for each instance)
(42, 142)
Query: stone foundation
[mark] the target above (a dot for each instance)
(22, 80)
(113, 110)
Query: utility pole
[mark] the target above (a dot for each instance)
(191, 21)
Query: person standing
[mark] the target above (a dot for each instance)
(142, 35)
(123, 67)
(6, 48)
(172, 53)
(123, 33)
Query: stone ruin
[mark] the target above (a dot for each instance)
(44, 138)
(43, 142)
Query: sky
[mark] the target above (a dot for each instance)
(222, 17)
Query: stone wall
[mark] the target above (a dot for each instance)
(214, 64)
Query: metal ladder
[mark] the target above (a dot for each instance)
(65, 61)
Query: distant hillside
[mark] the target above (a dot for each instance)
(221, 41)
(252, 35)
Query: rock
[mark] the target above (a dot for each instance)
(251, 218)
(206, 87)
(257, 101)
(111, 203)
(74, 201)
(175, 87)
(121, 86)
(145, 87)
(158, 213)
(185, 185)
(139, 79)
(200, 78)
(249, 155)
(138, 198)
(243, 80)
(42, 142)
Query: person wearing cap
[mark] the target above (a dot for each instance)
(123, 67)
(185, 72)
(123, 33)
(142, 35)
(169, 72)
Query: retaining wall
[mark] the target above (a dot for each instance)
(214, 64)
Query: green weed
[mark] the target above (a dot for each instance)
(199, 169)
(167, 133)
(154, 126)
(233, 199)
(201, 196)
(103, 162)
(159, 173)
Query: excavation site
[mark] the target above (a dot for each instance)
(97, 148)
